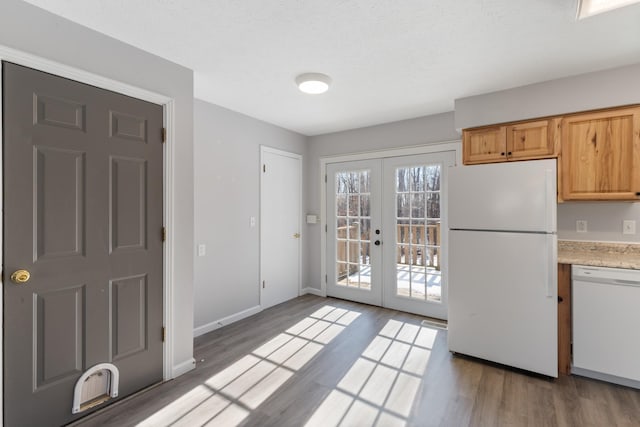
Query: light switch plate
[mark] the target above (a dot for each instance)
(202, 249)
(628, 226)
(581, 226)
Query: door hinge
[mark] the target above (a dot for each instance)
(264, 168)
(164, 135)
(263, 284)
(164, 234)
(164, 334)
(325, 177)
(326, 228)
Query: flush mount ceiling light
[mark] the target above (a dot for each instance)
(587, 8)
(313, 83)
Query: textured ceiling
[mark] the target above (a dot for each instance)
(389, 59)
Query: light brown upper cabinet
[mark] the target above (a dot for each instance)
(601, 155)
(518, 141)
(484, 145)
(530, 140)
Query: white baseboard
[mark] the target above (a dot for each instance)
(216, 324)
(183, 368)
(313, 291)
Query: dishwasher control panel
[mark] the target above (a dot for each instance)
(606, 274)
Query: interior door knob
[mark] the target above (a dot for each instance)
(377, 243)
(296, 236)
(20, 276)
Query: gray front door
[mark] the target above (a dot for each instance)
(83, 215)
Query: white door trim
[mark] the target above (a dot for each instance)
(379, 154)
(56, 68)
(266, 149)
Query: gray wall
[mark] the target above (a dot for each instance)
(604, 221)
(227, 187)
(32, 30)
(609, 88)
(406, 133)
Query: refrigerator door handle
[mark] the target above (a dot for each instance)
(550, 198)
(552, 273)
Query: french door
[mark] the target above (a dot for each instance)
(354, 236)
(386, 232)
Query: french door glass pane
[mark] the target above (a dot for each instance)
(418, 234)
(353, 229)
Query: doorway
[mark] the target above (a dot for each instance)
(386, 232)
(280, 231)
(83, 203)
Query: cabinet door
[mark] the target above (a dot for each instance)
(486, 145)
(564, 319)
(601, 155)
(530, 141)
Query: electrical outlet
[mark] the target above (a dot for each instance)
(581, 226)
(628, 226)
(252, 221)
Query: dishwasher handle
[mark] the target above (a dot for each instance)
(626, 282)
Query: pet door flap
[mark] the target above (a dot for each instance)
(97, 385)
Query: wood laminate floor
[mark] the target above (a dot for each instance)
(325, 362)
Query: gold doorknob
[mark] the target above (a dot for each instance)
(296, 236)
(20, 276)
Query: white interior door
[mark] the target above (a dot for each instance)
(415, 246)
(280, 213)
(354, 260)
(386, 232)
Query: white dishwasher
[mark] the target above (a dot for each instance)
(606, 324)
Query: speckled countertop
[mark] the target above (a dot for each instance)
(599, 254)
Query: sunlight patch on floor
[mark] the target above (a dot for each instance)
(380, 387)
(228, 397)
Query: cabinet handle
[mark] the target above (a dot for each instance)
(638, 193)
(502, 154)
(509, 153)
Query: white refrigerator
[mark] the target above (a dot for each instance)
(503, 264)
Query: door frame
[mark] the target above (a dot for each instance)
(168, 104)
(437, 147)
(266, 149)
